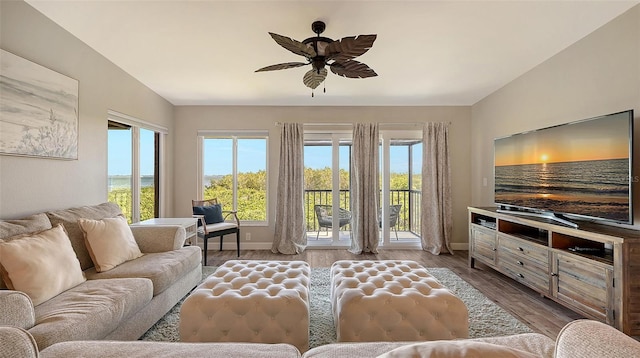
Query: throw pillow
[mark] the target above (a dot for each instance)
(110, 242)
(456, 349)
(41, 264)
(212, 213)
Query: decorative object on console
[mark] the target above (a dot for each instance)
(322, 51)
(39, 110)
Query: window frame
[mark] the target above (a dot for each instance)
(160, 134)
(202, 135)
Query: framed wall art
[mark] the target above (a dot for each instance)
(38, 110)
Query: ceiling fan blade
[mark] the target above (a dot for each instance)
(352, 69)
(294, 46)
(282, 66)
(313, 79)
(349, 47)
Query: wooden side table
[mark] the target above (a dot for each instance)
(190, 225)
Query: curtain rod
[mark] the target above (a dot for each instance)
(351, 124)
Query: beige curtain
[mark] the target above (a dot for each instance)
(364, 188)
(436, 217)
(290, 237)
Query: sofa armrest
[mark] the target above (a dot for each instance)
(593, 339)
(159, 238)
(16, 342)
(16, 309)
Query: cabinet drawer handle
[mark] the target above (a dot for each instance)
(520, 275)
(520, 248)
(553, 274)
(494, 249)
(520, 263)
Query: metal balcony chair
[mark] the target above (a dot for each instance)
(394, 213)
(214, 222)
(324, 214)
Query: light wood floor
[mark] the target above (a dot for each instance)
(541, 314)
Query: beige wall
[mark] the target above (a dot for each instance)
(29, 185)
(599, 74)
(190, 119)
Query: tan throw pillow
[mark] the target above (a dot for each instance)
(41, 264)
(456, 349)
(110, 242)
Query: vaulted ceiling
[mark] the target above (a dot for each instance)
(426, 52)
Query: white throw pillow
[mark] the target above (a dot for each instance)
(110, 242)
(41, 264)
(456, 349)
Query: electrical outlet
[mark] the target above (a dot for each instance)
(247, 236)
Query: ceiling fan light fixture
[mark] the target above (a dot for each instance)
(322, 51)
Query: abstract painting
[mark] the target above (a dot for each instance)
(38, 110)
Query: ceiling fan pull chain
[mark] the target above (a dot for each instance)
(311, 93)
(324, 87)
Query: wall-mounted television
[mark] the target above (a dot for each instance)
(581, 169)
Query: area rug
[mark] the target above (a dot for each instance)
(486, 319)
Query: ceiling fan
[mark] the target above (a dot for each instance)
(320, 51)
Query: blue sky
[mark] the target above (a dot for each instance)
(119, 158)
(218, 160)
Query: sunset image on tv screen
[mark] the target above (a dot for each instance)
(579, 168)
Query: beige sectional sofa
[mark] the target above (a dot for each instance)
(119, 304)
(579, 339)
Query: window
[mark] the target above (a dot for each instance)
(234, 170)
(134, 166)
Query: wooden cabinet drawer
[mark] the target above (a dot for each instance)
(536, 254)
(483, 245)
(536, 278)
(584, 285)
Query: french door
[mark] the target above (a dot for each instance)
(400, 184)
(327, 189)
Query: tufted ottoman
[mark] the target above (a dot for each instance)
(250, 301)
(393, 301)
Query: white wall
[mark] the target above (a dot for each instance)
(599, 74)
(190, 119)
(30, 185)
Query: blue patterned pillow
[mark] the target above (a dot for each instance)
(212, 214)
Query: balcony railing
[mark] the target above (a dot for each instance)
(408, 218)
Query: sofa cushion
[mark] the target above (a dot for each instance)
(456, 349)
(33, 223)
(90, 310)
(111, 349)
(69, 217)
(41, 264)
(16, 342)
(162, 268)
(109, 241)
(535, 343)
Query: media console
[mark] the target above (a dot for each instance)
(593, 270)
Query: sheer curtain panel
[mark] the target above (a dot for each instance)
(364, 188)
(436, 217)
(290, 237)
